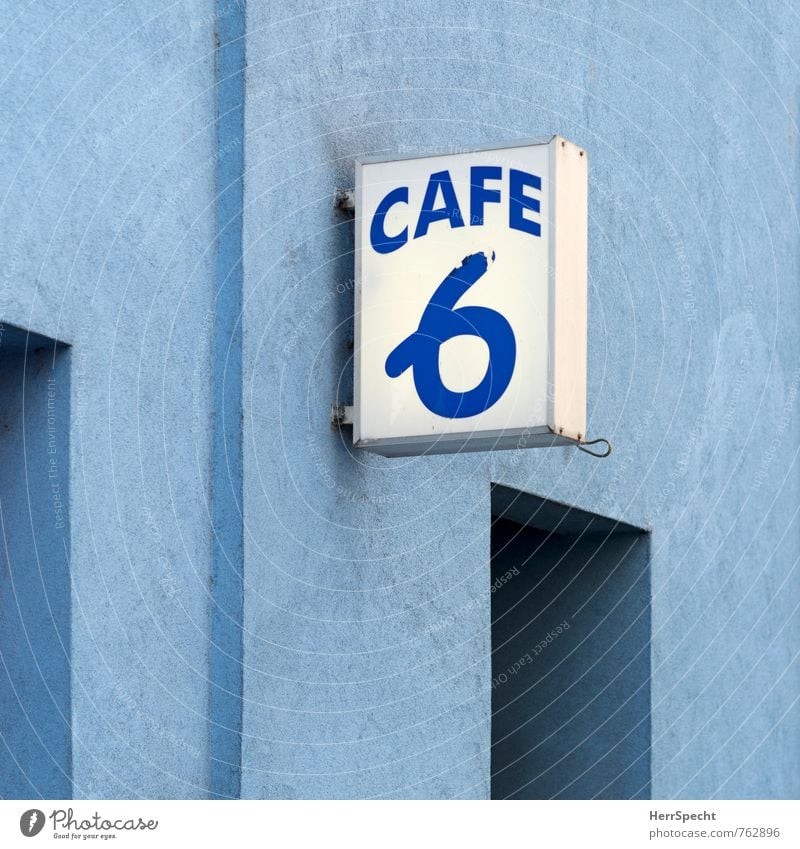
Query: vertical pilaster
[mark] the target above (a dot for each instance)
(226, 505)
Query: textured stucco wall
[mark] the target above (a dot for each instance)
(366, 606)
(106, 200)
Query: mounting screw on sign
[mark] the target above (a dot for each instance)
(440, 322)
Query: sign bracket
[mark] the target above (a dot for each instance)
(345, 200)
(341, 414)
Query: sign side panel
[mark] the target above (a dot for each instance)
(570, 293)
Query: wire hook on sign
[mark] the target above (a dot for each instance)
(580, 447)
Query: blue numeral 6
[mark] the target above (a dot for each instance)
(440, 322)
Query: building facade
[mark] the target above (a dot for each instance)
(206, 591)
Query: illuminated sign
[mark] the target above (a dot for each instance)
(471, 300)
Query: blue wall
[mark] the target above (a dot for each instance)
(366, 611)
(106, 199)
(366, 607)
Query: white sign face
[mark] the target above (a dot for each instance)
(471, 300)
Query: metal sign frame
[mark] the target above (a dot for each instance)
(567, 344)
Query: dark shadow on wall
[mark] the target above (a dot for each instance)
(35, 734)
(570, 653)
